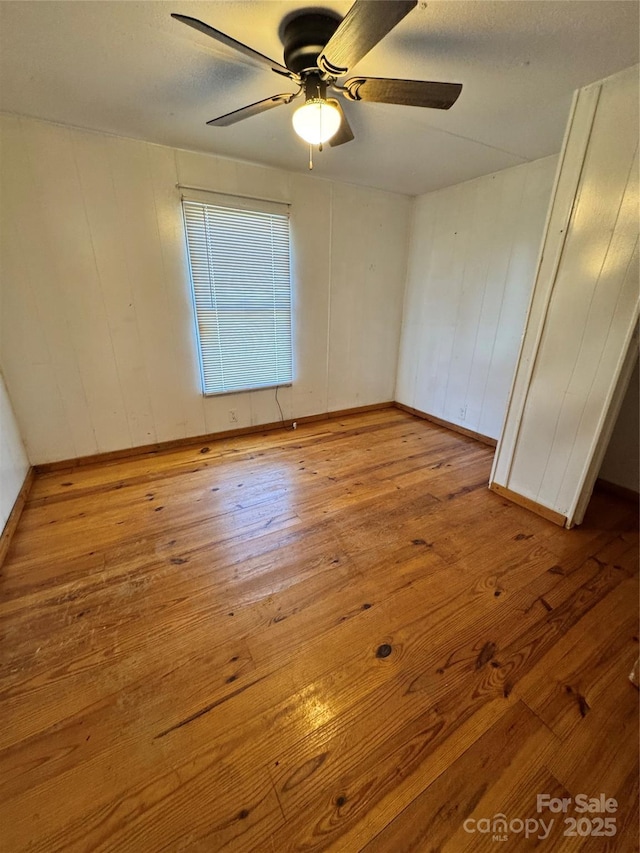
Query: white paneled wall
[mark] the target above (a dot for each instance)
(365, 323)
(471, 268)
(584, 308)
(97, 334)
(14, 464)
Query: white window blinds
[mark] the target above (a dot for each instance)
(242, 293)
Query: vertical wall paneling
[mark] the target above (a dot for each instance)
(471, 268)
(94, 409)
(180, 337)
(584, 307)
(107, 228)
(14, 464)
(565, 186)
(311, 207)
(368, 248)
(133, 181)
(31, 346)
(506, 322)
(412, 311)
(97, 340)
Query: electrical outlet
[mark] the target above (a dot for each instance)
(233, 416)
(463, 412)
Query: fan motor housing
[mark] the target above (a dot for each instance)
(304, 37)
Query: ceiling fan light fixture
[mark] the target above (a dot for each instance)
(319, 47)
(316, 121)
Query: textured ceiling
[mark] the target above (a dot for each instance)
(128, 68)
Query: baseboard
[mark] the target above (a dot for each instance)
(14, 516)
(527, 503)
(618, 491)
(178, 443)
(485, 439)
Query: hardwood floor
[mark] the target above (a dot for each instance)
(329, 638)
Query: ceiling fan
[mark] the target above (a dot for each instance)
(319, 48)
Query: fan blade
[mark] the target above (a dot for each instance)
(344, 133)
(231, 42)
(411, 93)
(364, 25)
(253, 109)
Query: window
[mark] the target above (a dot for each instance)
(239, 258)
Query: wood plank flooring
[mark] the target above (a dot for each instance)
(333, 638)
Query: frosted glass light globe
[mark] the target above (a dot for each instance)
(316, 121)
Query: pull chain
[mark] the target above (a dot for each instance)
(310, 156)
